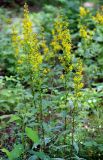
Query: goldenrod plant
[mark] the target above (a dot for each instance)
(78, 86)
(91, 35)
(53, 109)
(29, 49)
(61, 41)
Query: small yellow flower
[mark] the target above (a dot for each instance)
(62, 41)
(83, 32)
(47, 70)
(20, 61)
(83, 12)
(45, 48)
(62, 76)
(70, 67)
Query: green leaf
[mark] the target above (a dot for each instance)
(6, 151)
(90, 144)
(33, 157)
(32, 135)
(15, 118)
(16, 152)
(42, 155)
(100, 147)
(57, 159)
(76, 147)
(77, 158)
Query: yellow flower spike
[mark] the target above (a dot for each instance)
(62, 76)
(83, 11)
(31, 43)
(20, 61)
(27, 24)
(98, 18)
(26, 11)
(62, 41)
(78, 85)
(45, 71)
(28, 44)
(70, 67)
(44, 47)
(53, 32)
(83, 32)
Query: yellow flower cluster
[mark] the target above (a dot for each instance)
(62, 41)
(60, 34)
(78, 85)
(83, 32)
(29, 48)
(83, 12)
(62, 76)
(27, 24)
(34, 56)
(98, 18)
(86, 34)
(29, 44)
(46, 70)
(56, 32)
(45, 48)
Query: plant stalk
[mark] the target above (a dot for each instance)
(41, 119)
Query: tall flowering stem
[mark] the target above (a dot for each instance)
(78, 85)
(34, 58)
(28, 48)
(62, 41)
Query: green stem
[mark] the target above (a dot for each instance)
(33, 91)
(73, 128)
(65, 120)
(41, 118)
(72, 132)
(24, 124)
